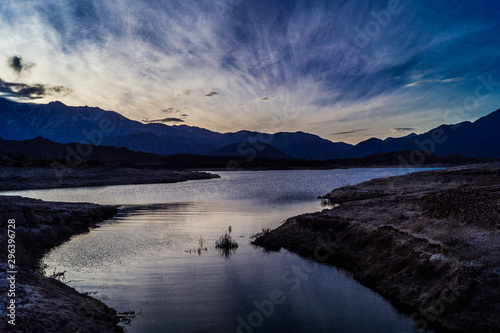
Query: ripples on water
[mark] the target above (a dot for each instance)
(141, 259)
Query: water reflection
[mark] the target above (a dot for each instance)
(141, 259)
(227, 252)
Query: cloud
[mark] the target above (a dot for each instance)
(164, 120)
(351, 131)
(421, 83)
(34, 91)
(18, 65)
(185, 92)
(264, 99)
(402, 129)
(172, 110)
(136, 57)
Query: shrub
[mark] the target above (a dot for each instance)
(264, 232)
(225, 241)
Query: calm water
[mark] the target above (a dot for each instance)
(146, 259)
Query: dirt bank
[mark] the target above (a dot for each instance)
(45, 304)
(429, 242)
(26, 178)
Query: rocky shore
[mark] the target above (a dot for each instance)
(45, 304)
(429, 242)
(43, 177)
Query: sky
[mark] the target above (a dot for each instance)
(345, 70)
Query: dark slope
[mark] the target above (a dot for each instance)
(251, 150)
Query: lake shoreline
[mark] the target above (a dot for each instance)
(32, 177)
(426, 241)
(46, 304)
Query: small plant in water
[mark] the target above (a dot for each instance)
(201, 248)
(225, 243)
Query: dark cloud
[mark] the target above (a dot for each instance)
(172, 119)
(263, 99)
(35, 91)
(60, 89)
(400, 129)
(164, 120)
(18, 65)
(212, 93)
(351, 131)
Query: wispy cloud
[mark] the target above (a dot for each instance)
(135, 57)
(350, 132)
(421, 83)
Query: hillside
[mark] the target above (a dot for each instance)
(66, 124)
(250, 151)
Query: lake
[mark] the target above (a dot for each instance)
(148, 258)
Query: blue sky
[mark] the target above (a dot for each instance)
(345, 70)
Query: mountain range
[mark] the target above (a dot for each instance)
(65, 124)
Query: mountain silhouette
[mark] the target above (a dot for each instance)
(65, 124)
(251, 150)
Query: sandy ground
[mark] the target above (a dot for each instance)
(429, 242)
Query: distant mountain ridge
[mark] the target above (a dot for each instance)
(65, 124)
(45, 149)
(251, 150)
